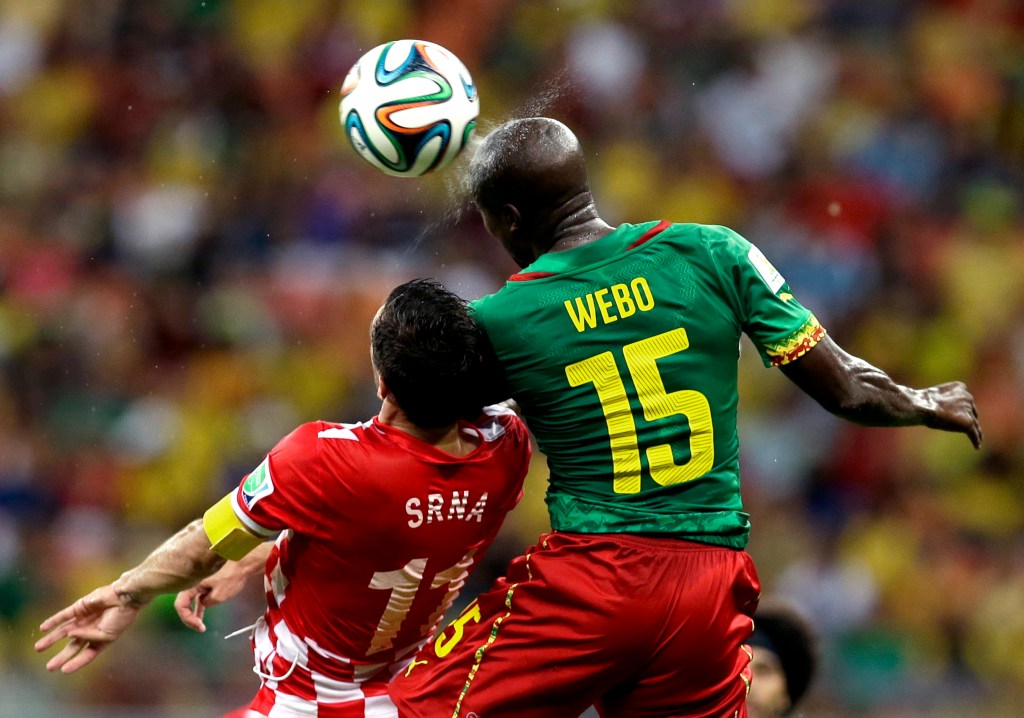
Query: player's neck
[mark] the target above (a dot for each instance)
(578, 227)
(449, 439)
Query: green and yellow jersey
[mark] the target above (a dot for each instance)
(622, 355)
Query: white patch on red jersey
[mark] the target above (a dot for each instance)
(494, 429)
(277, 582)
(340, 432)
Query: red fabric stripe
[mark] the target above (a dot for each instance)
(263, 701)
(347, 709)
(527, 276)
(650, 234)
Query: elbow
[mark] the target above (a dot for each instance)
(204, 559)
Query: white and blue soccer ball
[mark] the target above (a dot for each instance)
(409, 107)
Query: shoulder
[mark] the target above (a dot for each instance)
(488, 308)
(480, 305)
(714, 240)
(334, 431)
(731, 250)
(720, 238)
(506, 439)
(301, 439)
(479, 302)
(295, 454)
(499, 421)
(664, 231)
(305, 444)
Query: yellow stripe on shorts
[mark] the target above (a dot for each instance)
(495, 627)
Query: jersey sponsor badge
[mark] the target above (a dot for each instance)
(768, 272)
(258, 485)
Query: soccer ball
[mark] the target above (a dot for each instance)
(409, 107)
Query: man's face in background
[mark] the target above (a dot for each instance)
(768, 697)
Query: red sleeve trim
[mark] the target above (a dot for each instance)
(646, 236)
(527, 276)
(650, 234)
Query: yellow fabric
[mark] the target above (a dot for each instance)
(228, 536)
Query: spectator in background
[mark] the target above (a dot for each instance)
(784, 662)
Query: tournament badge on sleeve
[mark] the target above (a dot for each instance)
(258, 485)
(766, 269)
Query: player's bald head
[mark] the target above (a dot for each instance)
(529, 181)
(534, 163)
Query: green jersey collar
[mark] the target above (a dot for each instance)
(622, 238)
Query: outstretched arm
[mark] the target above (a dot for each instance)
(853, 389)
(96, 620)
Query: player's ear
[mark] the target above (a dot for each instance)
(510, 217)
(382, 388)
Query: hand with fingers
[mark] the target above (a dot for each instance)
(955, 410)
(90, 624)
(191, 604)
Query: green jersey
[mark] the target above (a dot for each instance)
(622, 355)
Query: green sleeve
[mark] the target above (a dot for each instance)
(780, 327)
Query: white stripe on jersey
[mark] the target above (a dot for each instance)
(263, 648)
(343, 432)
(326, 691)
(278, 582)
(499, 410)
(329, 690)
(325, 653)
(337, 433)
(379, 707)
(249, 523)
(289, 706)
(290, 646)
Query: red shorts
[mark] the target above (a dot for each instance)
(638, 626)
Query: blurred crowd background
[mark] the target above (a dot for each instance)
(190, 256)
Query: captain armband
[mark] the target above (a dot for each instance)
(228, 535)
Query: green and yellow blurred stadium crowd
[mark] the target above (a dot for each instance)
(190, 255)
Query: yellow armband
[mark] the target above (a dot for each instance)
(228, 536)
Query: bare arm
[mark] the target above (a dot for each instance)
(853, 389)
(96, 620)
(178, 563)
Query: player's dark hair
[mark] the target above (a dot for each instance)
(430, 352)
(786, 633)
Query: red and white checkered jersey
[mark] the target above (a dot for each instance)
(384, 529)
